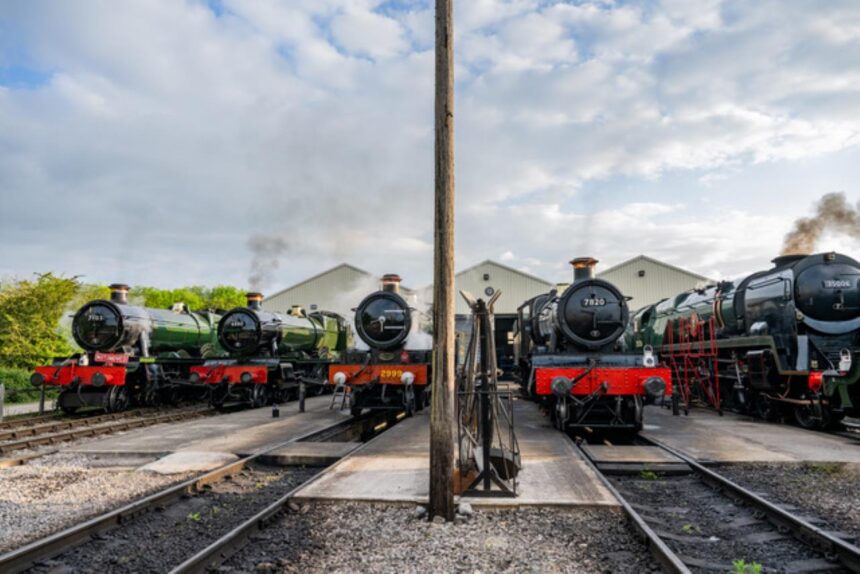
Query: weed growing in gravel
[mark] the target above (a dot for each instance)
(691, 529)
(195, 516)
(649, 475)
(741, 567)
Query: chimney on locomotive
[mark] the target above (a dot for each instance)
(583, 268)
(787, 259)
(254, 299)
(391, 283)
(119, 293)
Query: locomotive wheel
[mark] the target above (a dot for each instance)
(117, 400)
(765, 408)
(806, 417)
(259, 396)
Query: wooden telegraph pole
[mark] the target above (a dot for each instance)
(442, 419)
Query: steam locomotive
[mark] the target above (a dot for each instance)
(573, 361)
(271, 354)
(387, 375)
(132, 355)
(785, 339)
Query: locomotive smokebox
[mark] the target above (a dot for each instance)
(391, 283)
(119, 293)
(583, 268)
(254, 300)
(787, 259)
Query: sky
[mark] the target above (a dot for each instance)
(176, 142)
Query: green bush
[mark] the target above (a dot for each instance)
(18, 387)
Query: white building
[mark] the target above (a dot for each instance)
(648, 280)
(342, 288)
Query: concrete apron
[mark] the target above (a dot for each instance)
(394, 468)
(207, 443)
(736, 438)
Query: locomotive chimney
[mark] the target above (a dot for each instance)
(254, 300)
(391, 283)
(119, 293)
(787, 259)
(583, 268)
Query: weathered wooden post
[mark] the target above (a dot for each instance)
(442, 418)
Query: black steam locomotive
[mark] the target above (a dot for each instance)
(132, 355)
(785, 339)
(572, 359)
(271, 354)
(387, 375)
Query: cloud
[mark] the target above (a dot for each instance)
(161, 137)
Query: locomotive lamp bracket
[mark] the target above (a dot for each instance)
(845, 360)
(648, 359)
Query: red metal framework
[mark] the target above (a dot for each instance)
(690, 350)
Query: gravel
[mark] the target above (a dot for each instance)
(356, 537)
(698, 522)
(159, 540)
(826, 491)
(60, 490)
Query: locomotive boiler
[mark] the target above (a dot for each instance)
(271, 354)
(785, 339)
(573, 358)
(386, 375)
(132, 354)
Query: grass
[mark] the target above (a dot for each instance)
(649, 475)
(194, 516)
(741, 567)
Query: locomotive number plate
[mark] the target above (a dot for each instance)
(836, 284)
(390, 374)
(594, 302)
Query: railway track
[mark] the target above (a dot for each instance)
(23, 420)
(66, 430)
(69, 546)
(696, 520)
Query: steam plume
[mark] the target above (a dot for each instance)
(266, 252)
(833, 213)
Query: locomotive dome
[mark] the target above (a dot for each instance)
(383, 319)
(591, 312)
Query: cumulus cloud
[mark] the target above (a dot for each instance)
(151, 143)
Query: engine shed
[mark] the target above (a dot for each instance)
(339, 289)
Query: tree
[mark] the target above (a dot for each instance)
(30, 313)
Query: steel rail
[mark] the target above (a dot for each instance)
(222, 549)
(847, 553)
(22, 420)
(667, 558)
(69, 423)
(91, 431)
(50, 546)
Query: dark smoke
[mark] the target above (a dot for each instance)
(833, 213)
(266, 252)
